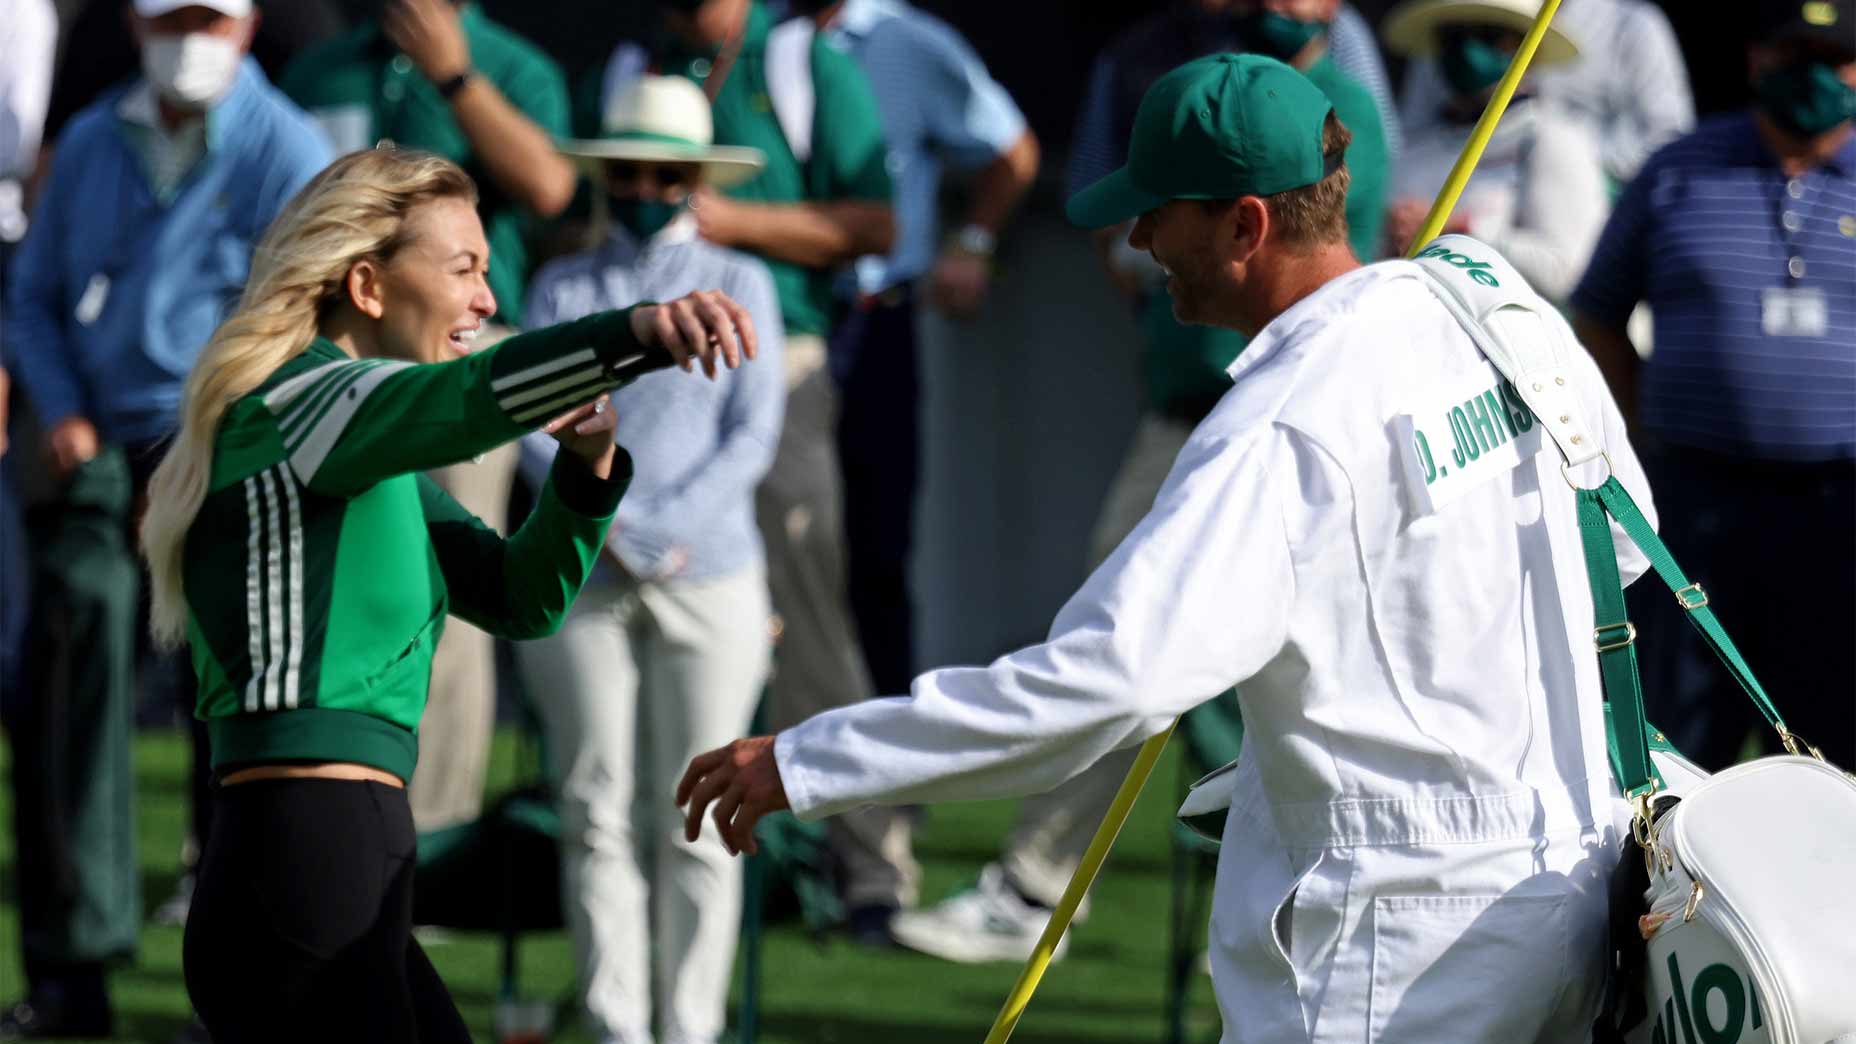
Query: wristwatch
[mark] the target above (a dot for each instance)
(451, 85)
(977, 240)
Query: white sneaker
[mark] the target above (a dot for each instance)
(988, 922)
(172, 912)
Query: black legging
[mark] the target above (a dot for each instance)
(301, 927)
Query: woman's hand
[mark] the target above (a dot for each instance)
(587, 433)
(699, 326)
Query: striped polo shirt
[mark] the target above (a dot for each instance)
(1751, 278)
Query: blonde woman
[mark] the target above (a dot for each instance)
(294, 544)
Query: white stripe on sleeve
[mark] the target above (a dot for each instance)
(254, 607)
(315, 447)
(292, 667)
(541, 370)
(280, 397)
(274, 593)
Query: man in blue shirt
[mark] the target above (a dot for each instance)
(940, 109)
(667, 648)
(1741, 237)
(157, 195)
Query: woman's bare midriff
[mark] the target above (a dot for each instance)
(343, 770)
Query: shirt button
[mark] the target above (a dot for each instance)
(1791, 221)
(1795, 187)
(401, 64)
(700, 68)
(1796, 267)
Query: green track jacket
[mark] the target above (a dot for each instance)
(321, 566)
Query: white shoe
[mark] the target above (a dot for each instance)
(988, 922)
(173, 911)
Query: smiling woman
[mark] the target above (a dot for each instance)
(295, 545)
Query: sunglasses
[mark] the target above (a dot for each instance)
(1494, 35)
(663, 175)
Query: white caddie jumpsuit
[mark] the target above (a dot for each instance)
(1422, 831)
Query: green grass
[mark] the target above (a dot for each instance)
(1110, 988)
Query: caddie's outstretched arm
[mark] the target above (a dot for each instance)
(1197, 599)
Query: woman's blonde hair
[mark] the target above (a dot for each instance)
(355, 210)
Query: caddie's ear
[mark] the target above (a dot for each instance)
(1245, 227)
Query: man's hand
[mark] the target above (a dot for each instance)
(72, 443)
(6, 388)
(1405, 219)
(698, 326)
(958, 285)
(719, 219)
(430, 33)
(742, 780)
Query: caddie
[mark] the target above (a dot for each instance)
(1374, 540)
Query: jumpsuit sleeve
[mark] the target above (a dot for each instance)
(1196, 600)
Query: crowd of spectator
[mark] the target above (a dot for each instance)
(793, 154)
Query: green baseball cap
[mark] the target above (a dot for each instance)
(1217, 127)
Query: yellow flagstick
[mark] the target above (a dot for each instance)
(1020, 997)
(1079, 885)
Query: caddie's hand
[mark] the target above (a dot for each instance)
(742, 781)
(698, 327)
(431, 34)
(1403, 220)
(587, 433)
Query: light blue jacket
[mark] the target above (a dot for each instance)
(699, 447)
(114, 292)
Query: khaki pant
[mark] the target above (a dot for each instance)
(818, 664)
(1053, 829)
(641, 678)
(460, 708)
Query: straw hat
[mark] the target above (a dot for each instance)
(665, 119)
(1411, 27)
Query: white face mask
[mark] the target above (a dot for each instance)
(191, 71)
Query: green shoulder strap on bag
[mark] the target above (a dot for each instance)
(1616, 636)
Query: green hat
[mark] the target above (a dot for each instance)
(1217, 127)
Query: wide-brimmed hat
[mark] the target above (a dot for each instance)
(157, 8)
(666, 119)
(1411, 27)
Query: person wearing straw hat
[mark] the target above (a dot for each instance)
(1629, 85)
(665, 653)
(1420, 830)
(1538, 195)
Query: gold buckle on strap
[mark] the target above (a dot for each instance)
(1793, 742)
(1598, 635)
(1691, 597)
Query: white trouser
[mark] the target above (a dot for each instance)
(1487, 938)
(640, 679)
